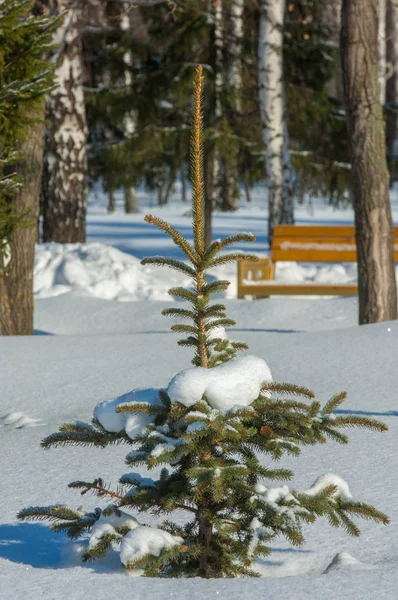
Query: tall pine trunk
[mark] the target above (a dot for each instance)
(392, 78)
(382, 46)
(373, 219)
(64, 185)
(16, 277)
(217, 177)
(273, 114)
(234, 87)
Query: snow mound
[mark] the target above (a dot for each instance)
(109, 525)
(18, 420)
(323, 481)
(341, 561)
(133, 423)
(98, 270)
(236, 383)
(146, 540)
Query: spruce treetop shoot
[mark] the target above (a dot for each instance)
(209, 431)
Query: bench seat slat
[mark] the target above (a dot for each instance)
(305, 289)
(323, 231)
(333, 256)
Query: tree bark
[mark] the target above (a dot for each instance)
(217, 176)
(64, 185)
(273, 114)
(382, 35)
(205, 540)
(130, 200)
(373, 220)
(111, 202)
(16, 273)
(392, 78)
(230, 174)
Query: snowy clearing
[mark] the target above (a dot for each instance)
(92, 350)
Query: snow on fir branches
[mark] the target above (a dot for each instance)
(208, 432)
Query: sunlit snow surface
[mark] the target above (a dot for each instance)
(97, 349)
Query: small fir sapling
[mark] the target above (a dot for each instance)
(208, 430)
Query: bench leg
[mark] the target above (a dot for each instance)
(268, 275)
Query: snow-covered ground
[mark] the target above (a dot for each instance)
(93, 348)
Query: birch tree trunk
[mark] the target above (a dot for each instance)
(382, 36)
(273, 114)
(16, 273)
(373, 219)
(64, 185)
(130, 117)
(392, 77)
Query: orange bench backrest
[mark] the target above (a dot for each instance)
(317, 243)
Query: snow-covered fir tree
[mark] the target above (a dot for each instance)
(209, 430)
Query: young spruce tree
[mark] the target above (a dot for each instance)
(207, 430)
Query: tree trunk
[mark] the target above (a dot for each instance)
(392, 78)
(247, 191)
(16, 273)
(205, 539)
(111, 202)
(64, 186)
(130, 200)
(230, 176)
(129, 117)
(382, 46)
(217, 177)
(273, 114)
(373, 219)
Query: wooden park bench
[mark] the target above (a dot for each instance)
(302, 243)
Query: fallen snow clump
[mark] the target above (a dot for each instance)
(109, 525)
(146, 540)
(236, 383)
(133, 423)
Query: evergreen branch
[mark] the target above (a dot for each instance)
(333, 403)
(182, 328)
(189, 342)
(141, 407)
(218, 245)
(178, 239)
(219, 323)
(357, 421)
(178, 312)
(48, 513)
(287, 388)
(162, 261)
(83, 438)
(239, 346)
(335, 435)
(183, 293)
(101, 547)
(96, 487)
(214, 310)
(366, 511)
(226, 258)
(347, 523)
(219, 285)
